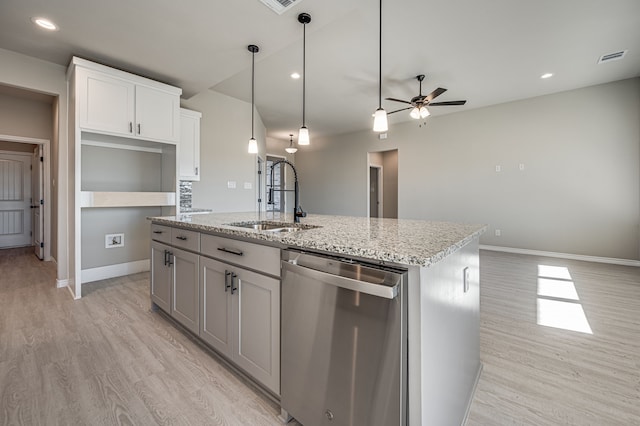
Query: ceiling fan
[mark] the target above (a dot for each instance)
(419, 103)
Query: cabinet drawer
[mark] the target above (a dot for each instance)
(254, 256)
(161, 233)
(182, 238)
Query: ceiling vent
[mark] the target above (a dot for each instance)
(612, 56)
(280, 6)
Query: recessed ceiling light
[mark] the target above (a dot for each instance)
(45, 23)
(295, 75)
(546, 75)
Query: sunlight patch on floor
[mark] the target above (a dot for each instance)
(558, 302)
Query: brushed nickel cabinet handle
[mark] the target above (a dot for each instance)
(231, 251)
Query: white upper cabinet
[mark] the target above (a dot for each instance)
(189, 144)
(114, 102)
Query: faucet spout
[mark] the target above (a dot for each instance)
(297, 209)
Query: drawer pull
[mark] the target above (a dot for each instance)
(231, 251)
(157, 232)
(181, 237)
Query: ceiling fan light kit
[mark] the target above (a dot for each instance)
(418, 104)
(253, 143)
(380, 120)
(303, 134)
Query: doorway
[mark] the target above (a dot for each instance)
(25, 201)
(375, 191)
(382, 184)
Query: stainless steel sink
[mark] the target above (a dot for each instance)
(273, 226)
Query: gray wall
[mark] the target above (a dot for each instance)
(579, 191)
(225, 130)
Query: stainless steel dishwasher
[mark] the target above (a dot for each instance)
(344, 341)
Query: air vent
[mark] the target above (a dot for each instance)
(612, 57)
(280, 6)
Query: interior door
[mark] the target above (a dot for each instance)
(374, 194)
(15, 200)
(37, 197)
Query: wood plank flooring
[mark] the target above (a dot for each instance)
(106, 359)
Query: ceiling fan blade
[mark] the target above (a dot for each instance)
(398, 110)
(431, 96)
(448, 103)
(399, 100)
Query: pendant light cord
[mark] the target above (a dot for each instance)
(380, 61)
(253, 83)
(304, 71)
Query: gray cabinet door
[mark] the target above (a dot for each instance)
(186, 300)
(257, 328)
(215, 305)
(160, 276)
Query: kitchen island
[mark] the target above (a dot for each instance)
(440, 260)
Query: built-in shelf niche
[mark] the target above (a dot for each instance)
(121, 172)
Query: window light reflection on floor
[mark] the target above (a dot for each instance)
(558, 302)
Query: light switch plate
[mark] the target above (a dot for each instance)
(248, 185)
(231, 184)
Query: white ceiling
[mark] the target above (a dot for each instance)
(484, 51)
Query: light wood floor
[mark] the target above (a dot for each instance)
(106, 359)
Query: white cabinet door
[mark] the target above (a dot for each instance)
(215, 305)
(185, 305)
(161, 276)
(157, 114)
(257, 329)
(106, 103)
(189, 144)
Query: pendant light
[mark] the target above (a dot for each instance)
(253, 144)
(291, 149)
(380, 123)
(303, 135)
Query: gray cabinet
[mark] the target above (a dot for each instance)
(161, 276)
(185, 306)
(175, 284)
(240, 317)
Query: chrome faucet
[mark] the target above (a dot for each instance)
(297, 210)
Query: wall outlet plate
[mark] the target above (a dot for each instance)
(113, 240)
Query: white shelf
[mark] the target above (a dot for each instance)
(93, 199)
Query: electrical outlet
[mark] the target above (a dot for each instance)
(498, 233)
(231, 184)
(248, 185)
(113, 240)
(521, 166)
(498, 169)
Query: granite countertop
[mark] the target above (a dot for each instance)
(401, 241)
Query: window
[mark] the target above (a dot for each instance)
(278, 183)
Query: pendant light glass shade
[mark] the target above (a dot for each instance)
(253, 143)
(291, 149)
(380, 122)
(303, 136)
(253, 146)
(424, 112)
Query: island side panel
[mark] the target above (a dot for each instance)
(444, 339)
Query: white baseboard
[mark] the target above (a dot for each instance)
(610, 260)
(112, 271)
(62, 283)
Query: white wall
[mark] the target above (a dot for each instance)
(579, 191)
(45, 77)
(225, 130)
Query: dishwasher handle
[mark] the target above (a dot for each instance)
(379, 290)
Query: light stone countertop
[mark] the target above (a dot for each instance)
(401, 241)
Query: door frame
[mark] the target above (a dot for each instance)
(380, 194)
(46, 178)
